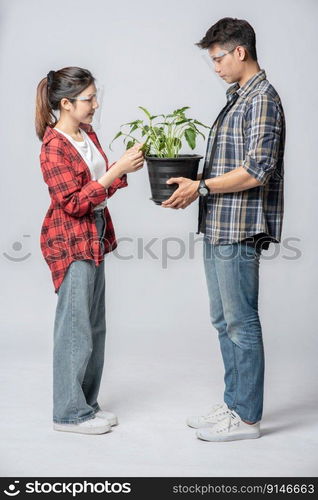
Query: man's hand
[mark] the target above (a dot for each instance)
(184, 195)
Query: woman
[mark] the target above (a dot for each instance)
(76, 233)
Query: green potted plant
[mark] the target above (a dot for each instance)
(163, 137)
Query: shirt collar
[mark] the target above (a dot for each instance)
(50, 132)
(248, 86)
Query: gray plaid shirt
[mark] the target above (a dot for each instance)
(252, 135)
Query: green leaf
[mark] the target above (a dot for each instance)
(163, 123)
(196, 129)
(177, 143)
(130, 144)
(129, 123)
(181, 110)
(190, 137)
(116, 136)
(145, 111)
(145, 148)
(202, 124)
(182, 121)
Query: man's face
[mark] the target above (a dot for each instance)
(226, 62)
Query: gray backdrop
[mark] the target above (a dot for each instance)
(162, 355)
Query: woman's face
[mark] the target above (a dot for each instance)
(83, 107)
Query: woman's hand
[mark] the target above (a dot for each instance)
(132, 160)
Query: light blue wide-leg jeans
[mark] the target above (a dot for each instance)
(79, 339)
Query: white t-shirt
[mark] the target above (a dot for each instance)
(91, 156)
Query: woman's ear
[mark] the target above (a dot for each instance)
(66, 104)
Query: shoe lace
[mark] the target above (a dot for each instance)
(215, 409)
(225, 425)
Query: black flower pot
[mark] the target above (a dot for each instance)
(161, 169)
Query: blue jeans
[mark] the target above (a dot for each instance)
(79, 339)
(232, 275)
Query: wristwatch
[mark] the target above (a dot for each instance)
(203, 189)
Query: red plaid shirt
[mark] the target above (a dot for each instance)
(69, 231)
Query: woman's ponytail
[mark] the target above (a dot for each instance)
(44, 115)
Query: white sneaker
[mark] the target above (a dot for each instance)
(91, 426)
(108, 416)
(231, 428)
(215, 415)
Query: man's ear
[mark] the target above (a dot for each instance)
(242, 52)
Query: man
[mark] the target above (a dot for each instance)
(241, 212)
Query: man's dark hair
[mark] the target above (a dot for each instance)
(228, 32)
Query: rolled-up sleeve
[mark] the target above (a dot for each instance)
(64, 187)
(262, 131)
